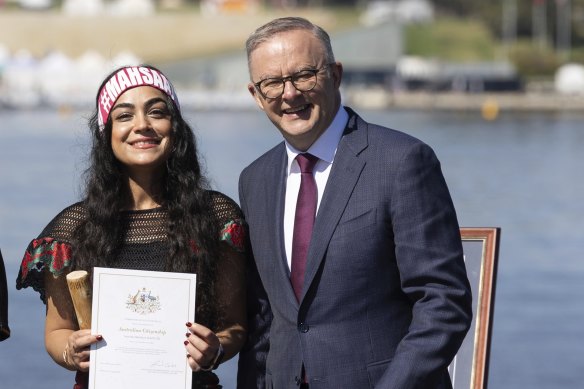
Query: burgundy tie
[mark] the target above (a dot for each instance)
(303, 221)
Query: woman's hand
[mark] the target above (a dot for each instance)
(203, 347)
(76, 352)
(65, 343)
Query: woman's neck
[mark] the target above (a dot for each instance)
(145, 191)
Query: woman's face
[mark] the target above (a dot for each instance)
(141, 129)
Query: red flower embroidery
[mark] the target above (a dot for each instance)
(234, 234)
(61, 256)
(25, 264)
(46, 252)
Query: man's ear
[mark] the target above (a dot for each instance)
(258, 99)
(337, 69)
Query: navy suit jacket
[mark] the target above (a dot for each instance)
(386, 302)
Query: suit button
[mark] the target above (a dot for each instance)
(303, 327)
(297, 380)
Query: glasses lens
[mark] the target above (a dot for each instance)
(272, 87)
(303, 81)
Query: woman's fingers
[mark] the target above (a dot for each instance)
(202, 346)
(77, 350)
(204, 333)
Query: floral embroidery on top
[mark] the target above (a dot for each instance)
(46, 252)
(234, 234)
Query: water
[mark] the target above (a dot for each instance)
(522, 173)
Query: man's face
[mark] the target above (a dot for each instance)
(301, 117)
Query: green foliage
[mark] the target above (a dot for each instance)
(532, 61)
(457, 7)
(468, 40)
(577, 56)
(451, 40)
(491, 14)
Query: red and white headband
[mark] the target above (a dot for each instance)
(128, 78)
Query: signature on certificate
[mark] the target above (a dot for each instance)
(161, 363)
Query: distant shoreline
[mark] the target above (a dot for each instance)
(487, 103)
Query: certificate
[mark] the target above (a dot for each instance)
(142, 316)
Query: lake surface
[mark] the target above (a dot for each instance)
(522, 172)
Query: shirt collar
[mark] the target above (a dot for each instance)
(326, 145)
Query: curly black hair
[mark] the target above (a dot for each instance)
(185, 196)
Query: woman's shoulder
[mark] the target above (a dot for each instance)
(51, 250)
(224, 207)
(230, 220)
(62, 226)
(76, 211)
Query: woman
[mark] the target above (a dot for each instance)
(146, 207)
(4, 329)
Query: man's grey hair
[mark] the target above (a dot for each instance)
(268, 30)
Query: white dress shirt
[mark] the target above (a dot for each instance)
(325, 148)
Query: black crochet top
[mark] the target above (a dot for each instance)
(144, 246)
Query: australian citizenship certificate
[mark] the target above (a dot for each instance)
(141, 316)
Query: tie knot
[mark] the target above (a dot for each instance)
(306, 162)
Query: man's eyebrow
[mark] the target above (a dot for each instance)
(298, 70)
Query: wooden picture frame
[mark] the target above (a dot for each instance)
(470, 367)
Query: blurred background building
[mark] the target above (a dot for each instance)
(55, 52)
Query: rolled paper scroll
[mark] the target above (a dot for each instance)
(80, 290)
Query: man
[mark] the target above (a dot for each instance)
(378, 295)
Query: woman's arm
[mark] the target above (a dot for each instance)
(65, 343)
(232, 301)
(4, 329)
(202, 344)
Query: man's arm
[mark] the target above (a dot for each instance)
(430, 260)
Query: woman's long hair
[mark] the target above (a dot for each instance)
(193, 245)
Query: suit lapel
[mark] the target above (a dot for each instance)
(345, 172)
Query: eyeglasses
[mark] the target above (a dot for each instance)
(303, 81)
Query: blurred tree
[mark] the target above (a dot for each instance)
(562, 21)
(566, 29)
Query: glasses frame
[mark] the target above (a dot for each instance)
(291, 78)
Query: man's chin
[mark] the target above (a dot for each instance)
(301, 140)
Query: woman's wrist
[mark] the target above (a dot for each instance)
(66, 357)
(216, 361)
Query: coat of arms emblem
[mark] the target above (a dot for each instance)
(143, 302)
